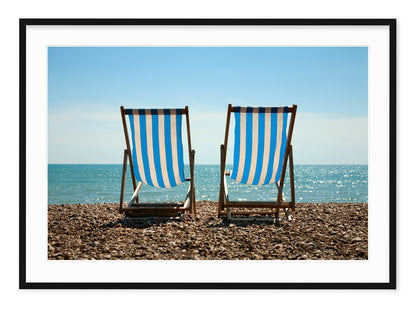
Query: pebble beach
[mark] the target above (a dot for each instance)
(318, 231)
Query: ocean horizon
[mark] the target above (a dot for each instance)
(101, 183)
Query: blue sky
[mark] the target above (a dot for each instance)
(87, 86)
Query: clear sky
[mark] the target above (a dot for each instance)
(87, 86)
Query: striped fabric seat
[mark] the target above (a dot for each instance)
(260, 144)
(157, 152)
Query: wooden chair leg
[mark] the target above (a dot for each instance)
(192, 169)
(123, 180)
(292, 180)
(193, 201)
(222, 175)
(225, 189)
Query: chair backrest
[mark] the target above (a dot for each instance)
(157, 150)
(261, 143)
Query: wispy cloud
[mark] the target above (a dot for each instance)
(317, 138)
(323, 139)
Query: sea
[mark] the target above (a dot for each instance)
(101, 183)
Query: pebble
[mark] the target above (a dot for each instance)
(325, 231)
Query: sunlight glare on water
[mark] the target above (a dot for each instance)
(98, 183)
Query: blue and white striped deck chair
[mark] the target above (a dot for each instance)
(155, 155)
(262, 147)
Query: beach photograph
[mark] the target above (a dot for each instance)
(182, 155)
(207, 153)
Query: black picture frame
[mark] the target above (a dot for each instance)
(24, 23)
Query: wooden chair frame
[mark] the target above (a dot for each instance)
(135, 209)
(231, 208)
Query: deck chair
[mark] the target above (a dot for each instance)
(156, 159)
(262, 148)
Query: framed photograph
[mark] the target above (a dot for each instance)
(109, 107)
